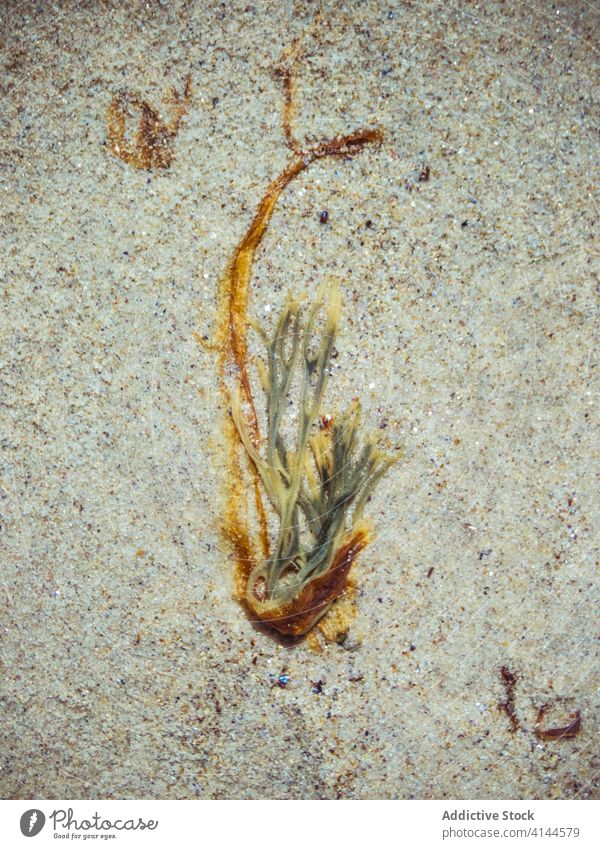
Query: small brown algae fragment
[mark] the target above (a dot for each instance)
(152, 146)
(509, 679)
(564, 732)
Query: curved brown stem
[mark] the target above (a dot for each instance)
(237, 278)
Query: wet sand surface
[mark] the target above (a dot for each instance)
(464, 247)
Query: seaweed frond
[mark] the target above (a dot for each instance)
(318, 485)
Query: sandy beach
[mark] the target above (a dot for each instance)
(138, 141)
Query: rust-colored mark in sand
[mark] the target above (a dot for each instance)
(298, 617)
(152, 145)
(509, 679)
(563, 732)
